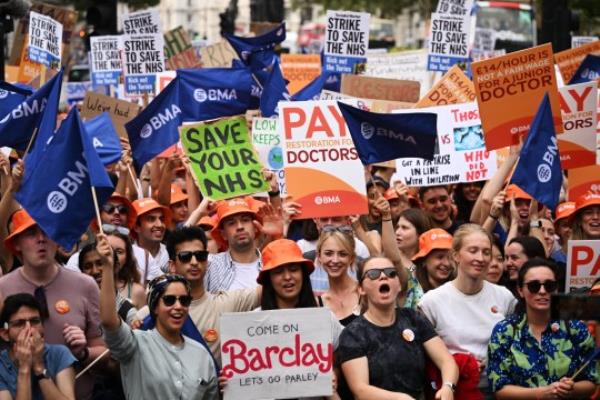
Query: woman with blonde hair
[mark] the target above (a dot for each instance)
(585, 220)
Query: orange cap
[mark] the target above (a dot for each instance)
(146, 205)
(226, 208)
(208, 222)
(177, 194)
(20, 222)
(433, 239)
(391, 194)
(583, 201)
(564, 210)
(280, 252)
(513, 191)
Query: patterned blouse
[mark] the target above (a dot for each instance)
(517, 358)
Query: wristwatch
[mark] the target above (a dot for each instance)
(451, 385)
(42, 375)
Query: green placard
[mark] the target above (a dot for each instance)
(222, 158)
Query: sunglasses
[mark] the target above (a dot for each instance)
(535, 286)
(186, 256)
(110, 208)
(40, 295)
(375, 273)
(110, 228)
(345, 229)
(170, 300)
(20, 323)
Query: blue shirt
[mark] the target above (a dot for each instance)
(56, 358)
(517, 358)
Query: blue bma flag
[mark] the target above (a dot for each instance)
(258, 52)
(538, 171)
(383, 137)
(11, 96)
(312, 91)
(58, 192)
(105, 138)
(274, 91)
(588, 70)
(155, 128)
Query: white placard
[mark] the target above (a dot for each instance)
(583, 265)
(105, 60)
(145, 22)
(143, 59)
(346, 40)
(448, 41)
(45, 39)
(405, 65)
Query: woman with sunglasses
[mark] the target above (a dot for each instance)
(531, 355)
(144, 355)
(382, 353)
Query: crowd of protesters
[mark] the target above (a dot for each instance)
(438, 292)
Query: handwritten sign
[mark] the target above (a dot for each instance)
(269, 146)
(369, 87)
(287, 353)
(322, 169)
(583, 261)
(218, 55)
(105, 60)
(346, 40)
(449, 41)
(45, 40)
(179, 52)
(120, 111)
(144, 58)
(222, 158)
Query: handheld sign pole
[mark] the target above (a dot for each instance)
(30, 142)
(585, 364)
(97, 208)
(90, 365)
(136, 182)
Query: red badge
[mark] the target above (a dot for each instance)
(62, 307)
(495, 309)
(555, 327)
(211, 335)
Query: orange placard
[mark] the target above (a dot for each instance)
(509, 92)
(568, 61)
(28, 70)
(367, 87)
(454, 88)
(300, 69)
(584, 180)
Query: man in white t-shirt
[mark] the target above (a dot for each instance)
(151, 223)
(236, 228)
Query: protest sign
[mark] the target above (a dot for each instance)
(162, 80)
(368, 87)
(509, 91)
(405, 65)
(300, 69)
(76, 91)
(346, 40)
(374, 105)
(453, 88)
(105, 60)
(45, 40)
(584, 180)
(223, 160)
(322, 169)
(179, 52)
(462, 155)
(218, 55)
(143, 59)
(448, 41)
(28, 70)
(568, 60)
(268, 145)
(578, 41)
(454, 7)
(120, 111)
(583, 264)
(145, 22)
(485, 39)
(577, 144)
(284, 352)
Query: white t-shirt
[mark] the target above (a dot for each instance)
(245, 275)
(73, 263)
(359, 247)
(156, 265)
(465, 322)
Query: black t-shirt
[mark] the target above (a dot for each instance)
(395, 354)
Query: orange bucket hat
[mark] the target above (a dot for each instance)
(514, 191)
(208, 222)
(21, 221)
(177, 194)
(564, 210)
(131, 218)
(144, 206)
(391, 194)
(583, 201)
(227, 208)
(433, 239)
(280, 252)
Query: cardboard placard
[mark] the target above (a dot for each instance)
(368, 87)
(448, 41)
(143, 59)
(268, 145)
(300, 69)
(322, 169)
(223, 160)
(346, 40)
(568, 60)
(284, 352)
(577, 144)
(454, 88)
(120, 111)
(28, 70)
(405, 65)
(583, 264)
(584, 180)
(179, 53)
(510, 90)
(218, 55)
(105, 60)
(45, 36)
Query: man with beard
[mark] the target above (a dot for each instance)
(437, 205)
(149, 230)
(236, 228)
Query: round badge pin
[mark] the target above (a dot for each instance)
(211, 335)
(495, 309)
(408, 335)
(555, 327)
(62, 307)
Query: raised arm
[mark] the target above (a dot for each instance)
(108, 305)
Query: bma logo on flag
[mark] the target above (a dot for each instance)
(25, 110)
(159, 120)
(367, 130)
(544, 170)
(3, 94)
(56, 202)
(201, 95)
